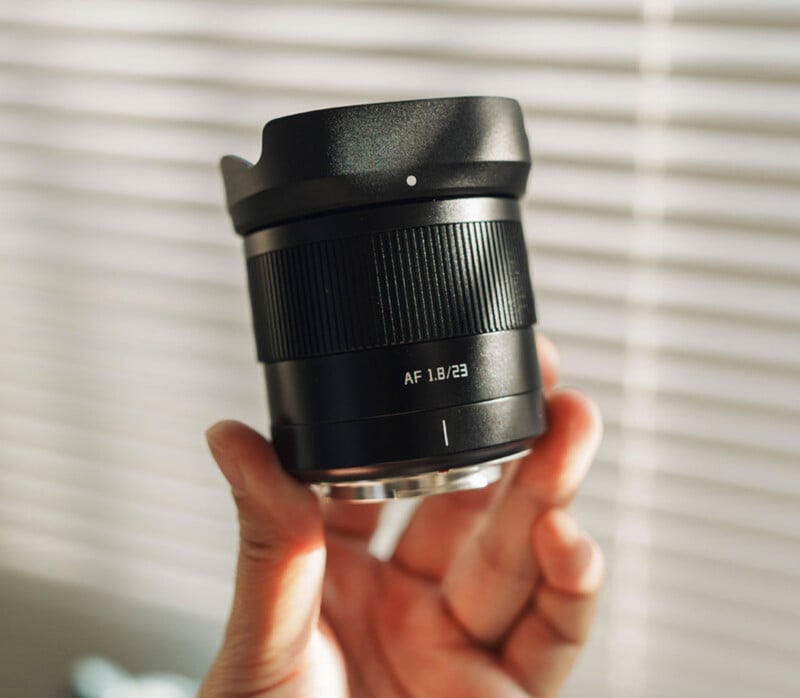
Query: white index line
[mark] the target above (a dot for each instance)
(444, 431)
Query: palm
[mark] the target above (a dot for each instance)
(396, 637)
(392, 628)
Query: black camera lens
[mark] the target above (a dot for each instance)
(391, 297)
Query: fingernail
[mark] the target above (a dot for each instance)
(582, 551)
(546, 345)
(226, 460)
(577, 541)
(567, 527)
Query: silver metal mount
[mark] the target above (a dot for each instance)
(469, 477)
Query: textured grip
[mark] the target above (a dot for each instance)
(390, 288)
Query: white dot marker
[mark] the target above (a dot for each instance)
(411, 180)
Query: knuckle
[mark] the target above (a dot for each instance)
(501, 557)
(258, 549)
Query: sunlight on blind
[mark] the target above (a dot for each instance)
(662, 218)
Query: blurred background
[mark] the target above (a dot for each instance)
(663, 219)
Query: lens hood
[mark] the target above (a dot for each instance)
(378, 154)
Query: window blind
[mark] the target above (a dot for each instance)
(663, 221)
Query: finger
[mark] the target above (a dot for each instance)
(543, 646)
(280, 567)
(547, 354)
(570, 561)
(438, 660)
(354, 520)
(351, 592)
(491, 580)
(453, 516)
(437, 529)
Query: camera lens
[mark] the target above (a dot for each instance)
(390, 292)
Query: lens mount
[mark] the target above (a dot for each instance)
(469, 477)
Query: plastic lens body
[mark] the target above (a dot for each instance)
(396, 328)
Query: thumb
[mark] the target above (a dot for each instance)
(279, 572)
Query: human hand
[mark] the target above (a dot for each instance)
(489, 594)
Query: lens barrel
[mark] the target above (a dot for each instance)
(390, 291)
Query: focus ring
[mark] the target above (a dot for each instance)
(390, 288)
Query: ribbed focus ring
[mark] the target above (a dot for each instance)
(390, 288)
